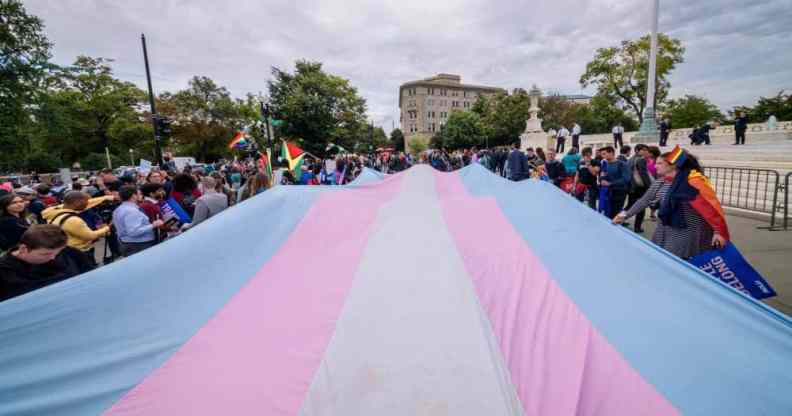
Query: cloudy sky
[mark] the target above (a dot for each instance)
(736, 50)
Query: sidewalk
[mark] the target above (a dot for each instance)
(770, 253)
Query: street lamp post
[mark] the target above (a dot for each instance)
(132, 157)
(648, 132)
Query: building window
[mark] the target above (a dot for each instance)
(430, 102)
(467, 104)
(454, 93)
(444, 92)
(464, 94)
(412, 114)
(430, 91)
(432, 128)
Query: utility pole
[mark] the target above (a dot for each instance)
(154, 117)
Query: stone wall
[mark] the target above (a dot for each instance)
(757, 133)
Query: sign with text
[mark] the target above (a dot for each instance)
(729, 266)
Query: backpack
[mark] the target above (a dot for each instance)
(63, 216)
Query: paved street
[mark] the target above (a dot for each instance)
(770, 252)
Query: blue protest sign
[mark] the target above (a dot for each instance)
(729, 266)
(171, 208)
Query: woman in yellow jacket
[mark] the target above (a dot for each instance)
(67, 216)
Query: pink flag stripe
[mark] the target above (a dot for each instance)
(559, 363)
(259, 354)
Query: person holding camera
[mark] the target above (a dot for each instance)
(67, 216)
(135, 232)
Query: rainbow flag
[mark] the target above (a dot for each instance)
(238, 141)
(482, 314)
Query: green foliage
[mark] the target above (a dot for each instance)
(779, 106)
(24, 65)
(41, 161)
(691, 111)
(601, 115)
(503, 116)
(463, 129)
(397, 140)
(556, 111)
(418, 144)
(620, 72)
(317, 107)
(98, 161)
(205, 119)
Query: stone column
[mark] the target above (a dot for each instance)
(648, 132)
(533, 136)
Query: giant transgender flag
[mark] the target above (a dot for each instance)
(421, 293)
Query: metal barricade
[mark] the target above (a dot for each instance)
(785, 208)
(748, 189)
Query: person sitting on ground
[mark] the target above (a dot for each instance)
(135, 232)
(12, 220)
(211, 203)
(38, 260)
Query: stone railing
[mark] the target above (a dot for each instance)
(723, 134)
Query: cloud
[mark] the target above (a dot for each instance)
(736, 51)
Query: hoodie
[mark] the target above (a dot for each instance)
(80, 235)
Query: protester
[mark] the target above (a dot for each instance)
(571, 161)
(31, 264)
(257, 184)
(554, 168)
(541, 155)
(587, 173)
(211, 203)
(185, 192)
(135, 232)
(691, 217)
(639, 183)
(12, 220)
(614, 181)
(518, 164)
(67, 216)
(153, 195)
(624, 153)
(618, 136)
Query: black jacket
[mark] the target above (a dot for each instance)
(11, 230)
(741, 124)
(638, 167)
(18, 277)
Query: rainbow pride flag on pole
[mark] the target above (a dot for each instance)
(419, 293)
(238, 141)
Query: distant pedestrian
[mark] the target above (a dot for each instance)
(563, 133)
(740, 127)
(618, 136)
(665, 130)
(576, 131)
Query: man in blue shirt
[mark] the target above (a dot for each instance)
(616, 177)
(135, 231)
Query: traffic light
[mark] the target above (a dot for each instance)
(162, 126)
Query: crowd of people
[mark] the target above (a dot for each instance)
(53, 231)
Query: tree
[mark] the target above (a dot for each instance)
(620, 73)
(85, 109)
(601, 115)
(24, 64)
(779, 106)
(503, 116)
(691, 111)
(397, 140)
(556, 111)
(318, 108)
(463, 129)
(418, 143)
(205, 118)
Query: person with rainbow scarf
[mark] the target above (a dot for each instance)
(691, 217)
